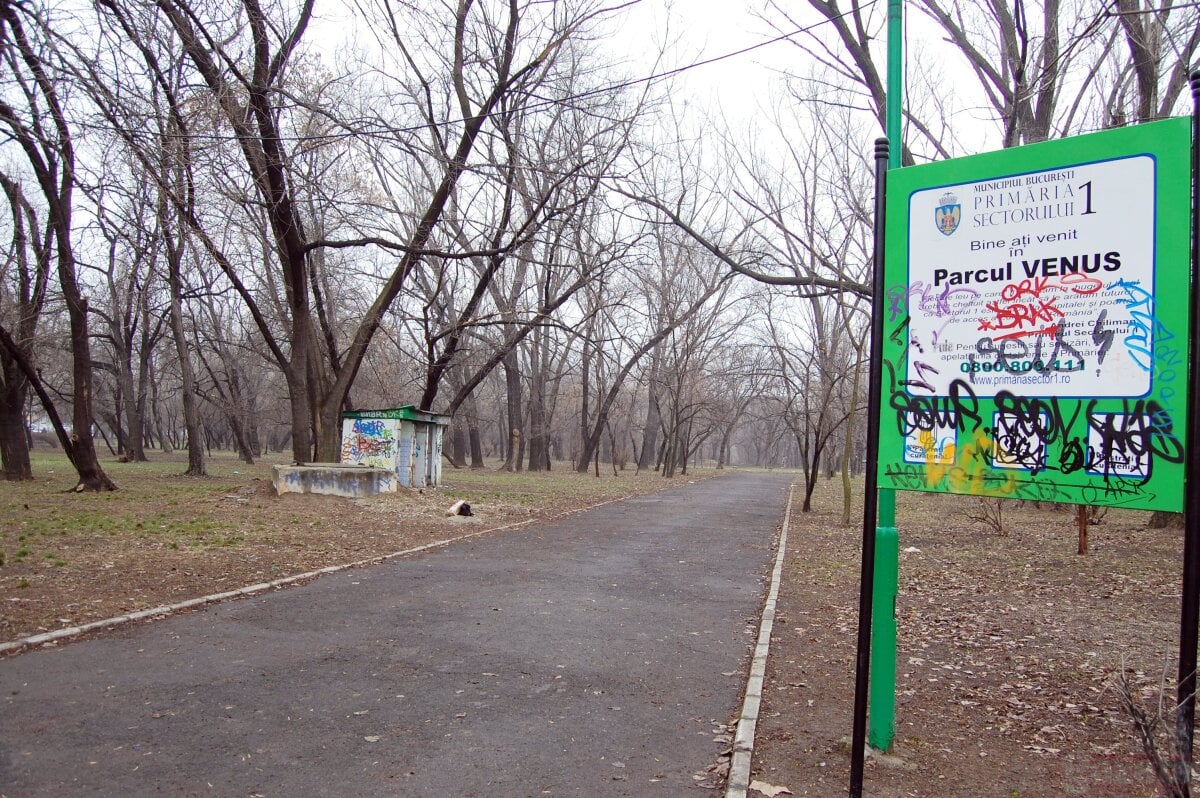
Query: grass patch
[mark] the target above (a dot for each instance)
(536, 489)
(152, 498)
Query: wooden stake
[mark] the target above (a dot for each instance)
(1082, 518)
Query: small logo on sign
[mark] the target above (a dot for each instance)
(947, 214)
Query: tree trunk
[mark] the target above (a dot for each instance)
(653, 415)
(35, 382)
(253, 439)
(585, 395)
(87, 463)
(130, 441)
(29, 260)
(848, 445)
(723, 449)
(671, 454)
(191, 413)
(469, 415)
(160, 428)
(239, 412)
(240, 441)
(476, 443)
(512, 380)
(1162, 520)
(811, 472)
(539, 454)
(14, 438)
(142, 397)
(301, 415)
(458, 443)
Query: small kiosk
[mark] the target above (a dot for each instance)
(402, 439)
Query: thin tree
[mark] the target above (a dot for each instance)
(25, 279)
(42, 133)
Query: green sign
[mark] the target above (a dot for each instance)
(1036, 321)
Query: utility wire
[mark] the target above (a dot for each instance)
(540, 103)
(1136, 12)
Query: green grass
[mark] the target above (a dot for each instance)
(535, 489)
(152, 501)
(221, 467)
(105, 519)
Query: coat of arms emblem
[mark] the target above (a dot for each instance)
(947, 214)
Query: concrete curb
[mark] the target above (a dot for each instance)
(738, 783)
(251, 590)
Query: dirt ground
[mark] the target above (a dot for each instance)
(1007, 642)
(1007, 645)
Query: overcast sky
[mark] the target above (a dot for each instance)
(697, 30)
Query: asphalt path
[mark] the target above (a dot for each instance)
(597, 655)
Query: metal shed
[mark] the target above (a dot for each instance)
(404, 439)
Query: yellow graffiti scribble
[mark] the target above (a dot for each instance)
(967, 471)
(927, 443)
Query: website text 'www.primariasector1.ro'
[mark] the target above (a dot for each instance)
(1021, 379)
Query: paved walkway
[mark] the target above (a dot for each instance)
(586, 657)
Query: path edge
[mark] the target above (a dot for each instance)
(738, 783)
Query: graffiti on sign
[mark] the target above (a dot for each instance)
(1028, 350)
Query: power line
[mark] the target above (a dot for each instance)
(539, 104)
(1136, 12)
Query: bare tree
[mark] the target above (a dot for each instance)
(740, 378)
(813, 367)
(133, 318)
(1162, 38)
(24, 280)
(680, 285)
(173, 231)
(41, 131)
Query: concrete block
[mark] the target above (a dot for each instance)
(334, 479)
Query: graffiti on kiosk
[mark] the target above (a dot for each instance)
(371, 442)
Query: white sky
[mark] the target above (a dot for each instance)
(745, 86)
(696, 30)
(742, 88)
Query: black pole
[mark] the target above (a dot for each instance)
(1189, 614)
(870, 484)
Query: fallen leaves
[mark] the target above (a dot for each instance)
(1002, 643)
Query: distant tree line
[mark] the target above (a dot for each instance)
(220, 231)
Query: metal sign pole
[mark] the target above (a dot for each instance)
(881, 704)
(871, 481)
(1189, 616)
